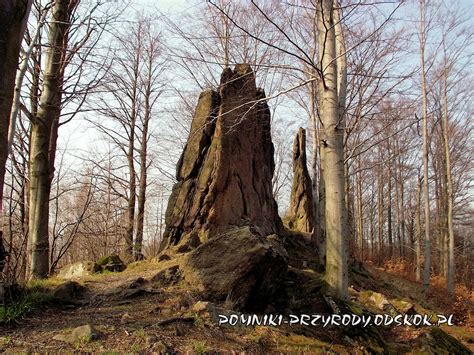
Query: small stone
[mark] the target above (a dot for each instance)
(200, 306)
(379, 300)
(84, 333)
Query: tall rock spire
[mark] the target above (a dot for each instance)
(300, 216)
(226, 169)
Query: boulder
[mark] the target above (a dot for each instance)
(84, 334)
(224, 175)
(437, 341)
(404, 306)
(69, 292)
(201, 306)
(379, 300)
(300, 215)
(79, 269)
(168, 276)
(111, 263)
(240, 267)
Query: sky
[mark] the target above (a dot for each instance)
(79, 137)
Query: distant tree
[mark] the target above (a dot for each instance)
(135, 84)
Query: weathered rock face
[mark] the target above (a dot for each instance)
(239, 266)
(111, 263)
(83, 334)
(225, 172)
(300, 215)
(79, 269)
(69, 292)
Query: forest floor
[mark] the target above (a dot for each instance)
(128, 320)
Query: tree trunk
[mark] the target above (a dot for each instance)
(42, 123)
(332, 146)
(131, 198)
(19, 80)
(418, 231)
(143, 163)
(389, 204)
(380, 217)
(449, 184)
(315, 169)
(360, 223)
(13, 20)
(426, 194)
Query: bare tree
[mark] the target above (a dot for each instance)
(42, 123)
(65, 82)
(134, 86)
(13, 20)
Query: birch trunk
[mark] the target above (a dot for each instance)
(332, 148)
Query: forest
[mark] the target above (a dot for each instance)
(167, 164)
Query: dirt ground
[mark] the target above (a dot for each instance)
(129, 321)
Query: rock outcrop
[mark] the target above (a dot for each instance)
(300, 216)
(111, 263)
(225, 172)
(221, 212)
(79, 269)
(240, 267)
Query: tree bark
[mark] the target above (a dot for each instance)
(389, 204)
(143, 159)
(42, 124)
(13, 20)
(380, 207)
(332, 146)
(132, 180)
(418, 231)
(426, 195)
(449, 183)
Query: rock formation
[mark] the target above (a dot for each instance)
(221, 212)
(225, 172)
(238, 266)
(300, 216)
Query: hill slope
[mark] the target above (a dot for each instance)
(147, 308)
